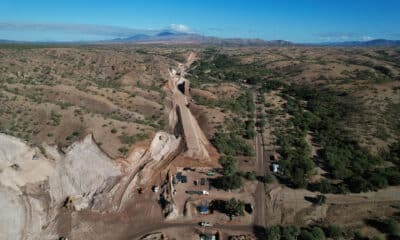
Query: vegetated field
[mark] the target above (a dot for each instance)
(332, 115)
(58, 94)
(344, 99)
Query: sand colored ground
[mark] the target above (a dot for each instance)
(290, 206)
(196, 141)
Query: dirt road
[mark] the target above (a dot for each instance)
(162, 226)
(259, 213)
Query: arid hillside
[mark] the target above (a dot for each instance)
(58, 95)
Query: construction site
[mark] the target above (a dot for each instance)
(62, 194)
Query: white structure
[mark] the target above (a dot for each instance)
(275, 167)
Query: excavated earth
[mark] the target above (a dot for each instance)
(44, 191)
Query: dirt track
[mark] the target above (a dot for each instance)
(179, 225)
(260, 211)
(260, 214)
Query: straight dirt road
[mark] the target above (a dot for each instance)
(259, 217)
(259, 211)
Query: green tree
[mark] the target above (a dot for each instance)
(392, 227)
(334, 232)
(250, 131)
(229, 165)
(290, 233)
(358, 184)
(234, 207)
(315, 233)
(229, 182)
(324, 186)
(251, 175)
(318, 233)
(378, 180)
(274, 233)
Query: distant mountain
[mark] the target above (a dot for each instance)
(7, 41)
(372, 43)
(169, 36)
(136, 37)
(175, 37)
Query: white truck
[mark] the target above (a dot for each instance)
(205, 224)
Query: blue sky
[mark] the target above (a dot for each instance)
(293, 20)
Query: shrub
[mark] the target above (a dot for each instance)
(131, 139)
(324, 186)
(315, 233)
(251, 175)
(55, 118)
(334, 232)
(268, 178)
(274, 233)
(229, 165)
(290, 233)
(123, 150)
(231, 144)
(358, 184)
(250, 129)
(318, 233)
(392, 227)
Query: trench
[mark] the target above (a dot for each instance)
(181, 87)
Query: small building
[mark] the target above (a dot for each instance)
(204, 209)
(275, 167)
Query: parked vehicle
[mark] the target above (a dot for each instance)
(179, 176)
(205, 224)
(202, 181)
(183, 179)
(155, 188)
(189, 169)
(204, 192)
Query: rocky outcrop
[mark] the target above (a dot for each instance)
(33, 187)
(81, 173)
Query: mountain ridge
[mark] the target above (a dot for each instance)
(175, 37)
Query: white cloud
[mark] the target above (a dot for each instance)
(180, 28)
(99, 30)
